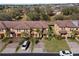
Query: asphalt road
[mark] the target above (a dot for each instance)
(32, 54)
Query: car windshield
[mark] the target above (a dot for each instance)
(70, 52)
(65, 52)
(23, 45)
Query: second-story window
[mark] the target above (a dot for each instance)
(25, 30)
(63, 28)
(1, 30)
(18, 30)
(76, 28)
(71, 29)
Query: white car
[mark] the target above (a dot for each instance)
(24, 45)
(65, 53)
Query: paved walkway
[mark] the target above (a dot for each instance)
(74, 46)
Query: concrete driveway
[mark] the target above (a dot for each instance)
(39, 48)
(74, 46)
(1, 44)
(10, 48)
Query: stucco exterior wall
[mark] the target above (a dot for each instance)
(56, 29)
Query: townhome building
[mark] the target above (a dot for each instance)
(30, 28)
(66, 27)
(38, 29)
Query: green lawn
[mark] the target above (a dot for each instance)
(55, 45)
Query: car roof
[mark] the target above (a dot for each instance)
(24, 42)
(66, 51)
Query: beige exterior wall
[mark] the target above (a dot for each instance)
(34, 31)
(20, 31)
(3, 31)
(36, 34)
(56, 29)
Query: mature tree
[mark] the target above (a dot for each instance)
(14, 13)
(75, 16)
(59, 17)
(45, 17)
(38, 14)
(50, 33)
(4, 17)
(70, 10)
(33, 16)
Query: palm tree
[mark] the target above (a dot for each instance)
(5, 40)
(20, 43)
(22, 39)
(73, 34)
(32, 44)
(49, 33)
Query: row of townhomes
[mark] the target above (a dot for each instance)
(38, 28)
(17, 28)
(66, 27)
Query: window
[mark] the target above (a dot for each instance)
(25, 30)
(71, 29)
(76, 28)
(63, 28)
(1, 30)
(18, 30)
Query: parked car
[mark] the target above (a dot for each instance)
(65, 53)
(25, 45)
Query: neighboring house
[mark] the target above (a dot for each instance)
(66, 27)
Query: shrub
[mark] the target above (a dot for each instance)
(59, 17)
(5, 39)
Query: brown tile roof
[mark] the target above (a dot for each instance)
(50, 22)
(37, 24)
(65, 23)
(9, 24)
(1, 26)
(21, 25)
(25, 24)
